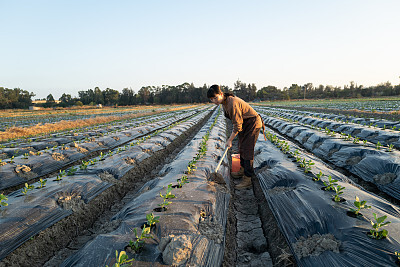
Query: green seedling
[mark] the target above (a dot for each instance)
(26, 156)
(42, 183)
(356, 140)
(151, 220)
(167, 196)
(3, 200)
(84, 165)
(364, 142)
(138, 244)
(359, 205)
(307, 168)
(182, 181)
(330, 184)
(285, 148)
(378, 145)
(379, 223)
(122, 259)
(71, 171)
(338, 191)
(60, 175)
(27, 188)
(12, 159)
(394, 128)
(191, 168)
(319, 176)
(390, 148)
(397, 255)
(306, 164)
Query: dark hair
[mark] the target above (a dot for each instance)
(215, 89)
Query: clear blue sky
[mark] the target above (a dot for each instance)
(66, 46)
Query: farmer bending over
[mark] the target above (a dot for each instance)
(246, 123)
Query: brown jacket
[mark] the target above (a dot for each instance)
(238, 110)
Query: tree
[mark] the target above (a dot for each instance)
(307, 87)
(144, 94)
(126, 97)
(98, 96)
(50, 102)
(111, 96)
(66, 100)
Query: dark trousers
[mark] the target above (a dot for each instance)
(247, 141)
(248, 166)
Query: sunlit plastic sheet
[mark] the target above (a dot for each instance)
(374, 136)
(160, 140)
(365, 162)
(39, 165)
(182, 216)
(44, 164)
(304, 210)
(61, 140)
(121, 163)
(27, 215)
(14, 151)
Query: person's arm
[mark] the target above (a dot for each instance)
(237, 122)
(229, 142)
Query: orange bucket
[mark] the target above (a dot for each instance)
(235, 162)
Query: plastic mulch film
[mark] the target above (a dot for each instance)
(182, 222)
(318, 230)
(373, 135)
(52, 160)
(28, 215)
(367, 162)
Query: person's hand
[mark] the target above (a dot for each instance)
(229, 143)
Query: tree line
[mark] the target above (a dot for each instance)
(189, 93)
(15, 98)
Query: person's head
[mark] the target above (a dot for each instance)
(215, 94)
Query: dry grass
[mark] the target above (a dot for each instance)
(7, 113)
(19, 132)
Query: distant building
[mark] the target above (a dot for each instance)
(34, 108)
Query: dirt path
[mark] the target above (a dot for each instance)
(246, 241)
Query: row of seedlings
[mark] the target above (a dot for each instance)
(345, 115)
(379, 167)
(33, 145)
(382, 133)
(80, 197)
(189, 213)
(31, 167)
(21, 119)
(39, 119)
(314, 209)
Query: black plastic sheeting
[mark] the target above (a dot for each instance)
(27, 215)
(366, 162)
(373, 135)
(302, 209)
(44, 164)
(119, 164)
(301, 115)
(182, 216)
(43, 143)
